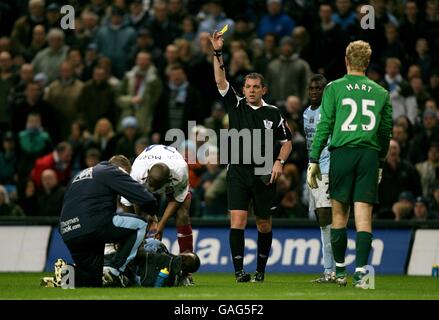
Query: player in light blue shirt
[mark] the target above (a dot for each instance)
(319, 198)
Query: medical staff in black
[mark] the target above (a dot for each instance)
(89, 220)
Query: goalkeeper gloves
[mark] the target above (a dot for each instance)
(313, 173)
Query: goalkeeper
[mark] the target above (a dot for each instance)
(357, 114)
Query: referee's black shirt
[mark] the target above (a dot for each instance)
(243, 116)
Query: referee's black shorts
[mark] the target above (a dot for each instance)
(243, 186)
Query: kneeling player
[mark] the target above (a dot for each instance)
(163, 170)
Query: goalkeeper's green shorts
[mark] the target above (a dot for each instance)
(353, 175)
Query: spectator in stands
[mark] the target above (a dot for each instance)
(398, 175)
(8, 159)
(162, 28)
(276, 21)
(420, 93)
(138, 17)
(344, 16)
(422, 212)
(423, 58)
(215, 195)
(16, 94)
(394, 48)
(7, 82)
(33, 142)
(171, 58)
(402, 99)
(145, 43)
(115, 40)
(98, 7)
(200, 73)
(63, 94)
(27, 197)
(125, 144)
(216, 19)
(104, 138)
(302, 39)
(49, 60)
(240, 66)
(92, 157)
(185, 51)
(140, 91)
(401, 136)
(177, 11)
(21, 33)
(403, 208)
(97, 100)
(90, 61)
(189, 28)
(428, 170)
(79, 139)
(141, 144)
(75, 58)
(412, 27)
(53, 15)
(50, 198)
(39, 42)
(8, 208)
(33, 103)
(90, 27)
(179, 103)
(59, 160)
(287, 75)
(244, 30)
(428, 134)
(216, 120)
(433, 88)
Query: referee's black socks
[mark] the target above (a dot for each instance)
(264, 246)
(236, 239)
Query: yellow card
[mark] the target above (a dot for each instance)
(224, 29)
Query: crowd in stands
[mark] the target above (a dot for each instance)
(131, 70)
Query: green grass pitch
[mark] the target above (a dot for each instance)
(221, 286)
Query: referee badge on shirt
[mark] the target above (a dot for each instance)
(268, 124)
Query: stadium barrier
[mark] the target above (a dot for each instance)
(34, 244)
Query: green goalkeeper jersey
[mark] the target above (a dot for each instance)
(356, 112)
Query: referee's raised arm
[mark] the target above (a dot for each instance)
(218, 63)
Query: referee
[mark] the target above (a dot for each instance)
(243, 185)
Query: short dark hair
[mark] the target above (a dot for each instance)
(158, 175)
(319, 78)
(63, 146)
(120, 160)
(255, 76)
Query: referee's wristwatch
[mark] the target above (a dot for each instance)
(282, 162)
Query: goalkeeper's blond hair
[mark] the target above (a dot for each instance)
(358, 55)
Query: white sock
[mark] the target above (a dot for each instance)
(328, 257)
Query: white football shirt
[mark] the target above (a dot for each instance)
(179, 184)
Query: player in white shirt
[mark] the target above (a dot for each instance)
(319, 198)
(163, 170)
